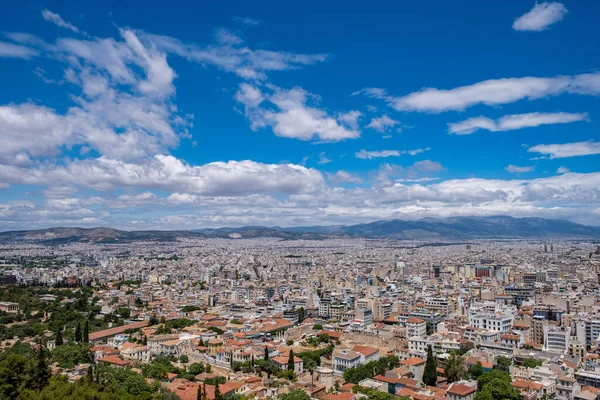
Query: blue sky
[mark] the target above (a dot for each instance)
(143, 115)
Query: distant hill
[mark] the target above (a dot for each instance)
(457, 228)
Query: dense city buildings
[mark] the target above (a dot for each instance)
(272, 316)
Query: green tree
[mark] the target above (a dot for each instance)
(498, 389)
(492, 375)
(78, 332)
(454, 368)
(266, 353)
(290, 364)
(196, 368)
(430, 372)
(373, 394)
(58, 339)
(218, 395)
(296, 394)
(475, 371)
(311, 366)
(41, 373)
(428, 328)
(504, 361)
(532, 363)
(184, 359)
(86, 332)
(317, 327)
(69, 355)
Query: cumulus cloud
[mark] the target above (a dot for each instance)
(562, 170)
(567, 149)
(289, 115)
(514, 122)
(382, 123)
(515, 169)
(540, 17)
(165, 172)
(491, 92)
(344, 177)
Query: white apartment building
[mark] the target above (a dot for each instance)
(556, 339)
(416, 327)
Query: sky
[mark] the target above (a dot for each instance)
(183, 115)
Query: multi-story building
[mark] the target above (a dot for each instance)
(416, 327)
(556, 339)
(342, 359)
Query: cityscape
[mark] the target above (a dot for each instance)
(266, 200)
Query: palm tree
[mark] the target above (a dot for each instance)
(311, 365)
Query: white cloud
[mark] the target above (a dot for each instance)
(490, 92)
(414, 152)
(246, 20)
(562, 170)
(165, 172)
(323, 159)
(382, 123)
(10, 50)
(567, 149)
(249, 95)
(291, 116)
(514, 121)
(515, 169)
(541, 16)
(344, 177)
(231, 55)
(226, 37)
(350, 118)
(364, 154)
(57, 20)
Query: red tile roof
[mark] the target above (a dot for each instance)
(461, 390)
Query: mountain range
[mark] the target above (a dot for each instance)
(455, 228)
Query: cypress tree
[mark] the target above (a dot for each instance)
(78, 332)
(58, 340)
(430, 372)
(86, 332)
(90, 374)
(266, 353)
(42, 373)
(290, 365)
(217, 391)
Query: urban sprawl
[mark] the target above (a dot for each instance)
(337, 319)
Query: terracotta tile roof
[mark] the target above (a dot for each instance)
(461, 390)
(116, 360)
(415, 320)
(527, 385)
(338, 396)
(346, 387)
(365, 350)
(413, 361)
(114, 331)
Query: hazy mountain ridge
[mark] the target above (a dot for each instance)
(427, 228)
